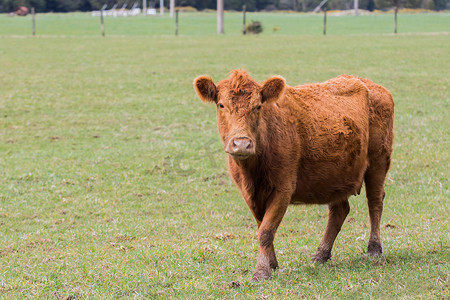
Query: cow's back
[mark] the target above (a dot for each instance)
(333, 125)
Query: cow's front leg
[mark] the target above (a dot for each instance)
(275, 210)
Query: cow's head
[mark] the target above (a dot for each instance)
(240, 102)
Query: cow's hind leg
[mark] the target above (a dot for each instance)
(374, 179)
(337, 212)
(381, 135)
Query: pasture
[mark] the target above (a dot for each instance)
(113, 180)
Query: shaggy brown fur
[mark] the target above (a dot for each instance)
(310, 144)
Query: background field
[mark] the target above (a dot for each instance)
(204, 24)
(113, 181)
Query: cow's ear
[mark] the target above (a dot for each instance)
(205, 89)
(272, 89)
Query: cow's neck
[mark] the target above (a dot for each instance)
(255, 170)
(252, 177)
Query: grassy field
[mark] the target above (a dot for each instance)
(113, 180)
(203, 24)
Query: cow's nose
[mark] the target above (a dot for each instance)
(241, 144)
(241, 147)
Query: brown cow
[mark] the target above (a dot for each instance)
(21, 11)
(310, 144)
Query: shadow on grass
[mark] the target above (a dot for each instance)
(399, 259)
(400, 273)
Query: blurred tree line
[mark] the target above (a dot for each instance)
(252, 5)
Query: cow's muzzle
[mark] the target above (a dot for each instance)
(240, 148)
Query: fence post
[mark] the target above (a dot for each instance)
(395, 20)
(176, 22)
(171, 7)
(324, 21)
(244, 29)
(102, 25)
(219, 16)
(33, 22)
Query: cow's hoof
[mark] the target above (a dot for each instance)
(321, 257)
(261, 274)
(374, 249)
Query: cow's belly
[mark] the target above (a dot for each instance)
(333, 161)
(327, 182)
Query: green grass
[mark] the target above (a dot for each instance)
(201, 24)
(113, 180)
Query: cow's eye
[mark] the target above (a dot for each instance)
(258, 107)
(221, 105)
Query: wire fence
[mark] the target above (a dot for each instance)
(204, 24)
